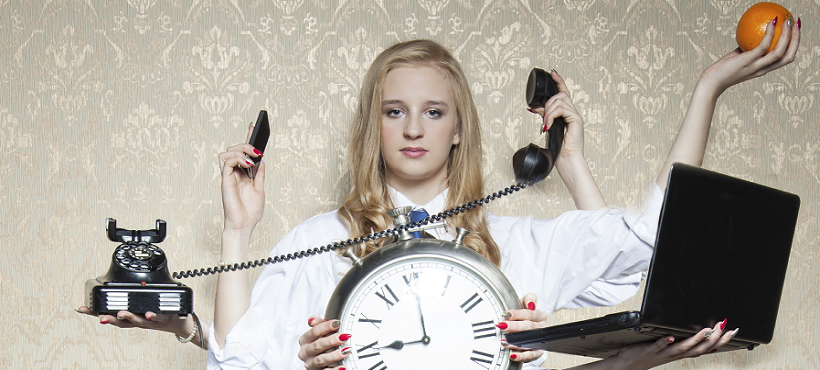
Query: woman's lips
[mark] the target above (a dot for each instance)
(413, 152)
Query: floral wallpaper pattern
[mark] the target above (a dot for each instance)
(119, 108)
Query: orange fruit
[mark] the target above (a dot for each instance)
(752, 25)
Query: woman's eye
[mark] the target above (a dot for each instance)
(393, 113)
(434, 114)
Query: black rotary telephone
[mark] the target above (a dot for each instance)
(138, 280)
(532, 163)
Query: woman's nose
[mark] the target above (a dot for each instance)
(413, 129)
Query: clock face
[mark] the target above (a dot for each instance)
(424, 313)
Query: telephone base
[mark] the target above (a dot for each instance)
(109, 298)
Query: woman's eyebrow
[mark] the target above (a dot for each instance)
(391, 102)
(436, 102)
(429, 102)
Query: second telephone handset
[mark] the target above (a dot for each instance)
(532, 163)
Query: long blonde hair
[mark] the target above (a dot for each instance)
(365, 207)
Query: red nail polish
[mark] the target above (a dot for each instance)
(713, 350)
(501, 325)
(798, 23)
(723, 324)
(774, 22)
(531, 306)
(310, 321)
(250, 163)
(344, 337)
(670, 340)
(257, 152)
(104, 322)
(530, 110)
(513, 356)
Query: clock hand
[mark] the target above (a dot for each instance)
(397, 344)
(424, 338)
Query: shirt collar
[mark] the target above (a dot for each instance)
(432, 207)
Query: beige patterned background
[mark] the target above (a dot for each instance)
(119, 108)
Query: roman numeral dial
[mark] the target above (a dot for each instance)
(424, 314)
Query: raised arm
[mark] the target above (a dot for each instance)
(735, 67)
(243, 200)
(571, 164)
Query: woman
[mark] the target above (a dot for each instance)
(415, 141)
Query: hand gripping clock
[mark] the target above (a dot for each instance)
(423, 303)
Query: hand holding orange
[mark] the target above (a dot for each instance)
(752, 25)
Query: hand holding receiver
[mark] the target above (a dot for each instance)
(318, 340)
(549, 97)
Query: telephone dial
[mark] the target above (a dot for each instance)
(138, 279)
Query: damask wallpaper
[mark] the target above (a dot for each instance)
(119, 109)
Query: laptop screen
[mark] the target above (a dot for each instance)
(722, 251)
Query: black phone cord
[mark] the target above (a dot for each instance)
(443, 215)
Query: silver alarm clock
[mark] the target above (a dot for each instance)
(423, 304)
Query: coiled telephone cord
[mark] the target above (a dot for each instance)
(441, 216)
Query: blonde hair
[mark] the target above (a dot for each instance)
(364, 209)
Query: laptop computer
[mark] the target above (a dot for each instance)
(721, 252)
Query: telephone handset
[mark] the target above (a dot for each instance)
(138, 279)
(532, 163)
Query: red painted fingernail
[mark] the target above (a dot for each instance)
(530, 110)
(344, 337)
(346, 351)
(257, 152)
(774, 22)
(513, 356)
(723, 324)
(713, 350)
(798, 23)
(104, 322)
(250, 163)
(310, 321)
(531, 306)
(501, 325)
(670, 340)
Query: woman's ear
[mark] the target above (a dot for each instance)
(456, 137)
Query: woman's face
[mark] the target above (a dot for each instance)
(418, 125)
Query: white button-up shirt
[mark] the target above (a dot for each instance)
(579, 259)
